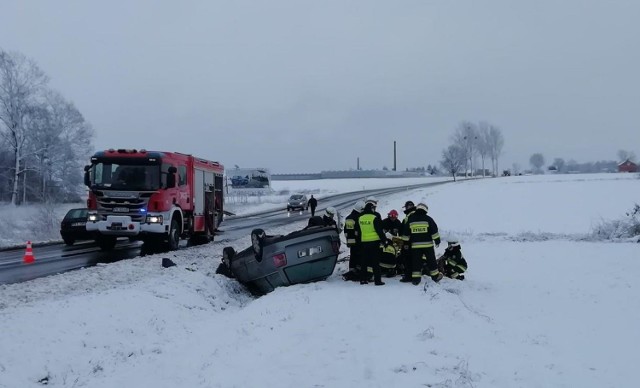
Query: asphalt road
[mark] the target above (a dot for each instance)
(58, 258)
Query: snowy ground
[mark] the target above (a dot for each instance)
(545, 304)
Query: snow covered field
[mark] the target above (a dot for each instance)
(545, 304)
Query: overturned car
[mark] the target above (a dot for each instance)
(302, 256)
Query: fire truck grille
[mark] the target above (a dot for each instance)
(132, 207)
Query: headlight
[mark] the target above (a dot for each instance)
(154, 219)
(92, 217)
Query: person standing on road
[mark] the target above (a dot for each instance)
(370, 235)
(421, 232)
(312, 204)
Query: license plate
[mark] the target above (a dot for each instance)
(121, 210)
(79, 224)
(310, 251)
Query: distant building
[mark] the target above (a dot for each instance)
(627, 166)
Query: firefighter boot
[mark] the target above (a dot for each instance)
(416, 281)
(405, 279)
(438, 277)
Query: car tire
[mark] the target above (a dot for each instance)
(68, 240)
(257, 242)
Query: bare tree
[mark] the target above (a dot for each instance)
(21, 82)
(537, 161)
(495, 144)
(466, 136)
(624, 155)
(64, 143)
(484, 145)
(453, 159)
(559, 163)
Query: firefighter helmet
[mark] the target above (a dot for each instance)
(453, 243)
(359, 206)
(393, 213)
(422, 206)
(371, 200)
(409, 205)
(330, 211)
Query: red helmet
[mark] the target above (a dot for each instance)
(393, 213)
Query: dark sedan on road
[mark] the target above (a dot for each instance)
(74, 226)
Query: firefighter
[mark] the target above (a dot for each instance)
(392, 224)
(421, 232)
(352, 244)
(389, 259)
(370, 236)
(404, 261)
(330, 218)
(452, 264)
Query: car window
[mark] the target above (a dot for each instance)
(296, 197)
(77, 213)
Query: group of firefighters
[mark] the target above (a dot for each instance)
(387, 247)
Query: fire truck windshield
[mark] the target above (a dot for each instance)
(129, 176)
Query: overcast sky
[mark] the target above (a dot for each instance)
(305, 86)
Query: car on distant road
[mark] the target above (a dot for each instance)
(297, 202)
(74, 226)
(303, 256)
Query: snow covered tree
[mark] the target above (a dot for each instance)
(21, 84)
(453, 159)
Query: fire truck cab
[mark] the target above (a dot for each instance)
(156, 196)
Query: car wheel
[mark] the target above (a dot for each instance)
(174, 236)
(257, 242)
(68, 240)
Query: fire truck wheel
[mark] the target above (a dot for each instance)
(174, 235)
(106, 243)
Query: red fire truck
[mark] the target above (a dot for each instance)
(156, 196)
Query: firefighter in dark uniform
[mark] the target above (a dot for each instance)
(404, 262)
(392, 224)
(452, 264)
(354, 248)
(421, 232)
(392, 227)
(370, 236)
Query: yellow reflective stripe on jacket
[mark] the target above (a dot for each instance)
(367, 231)
(387, 266)
(349, 223)
(421, 244)
(435, 236)
(351, 241)
(419, 227)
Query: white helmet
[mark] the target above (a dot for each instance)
(422, 206)
(372, 199)
(359, 206)
(330, 211)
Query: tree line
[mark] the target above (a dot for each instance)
(44, 139)
(469, 142)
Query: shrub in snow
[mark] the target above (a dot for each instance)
(627, 227)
